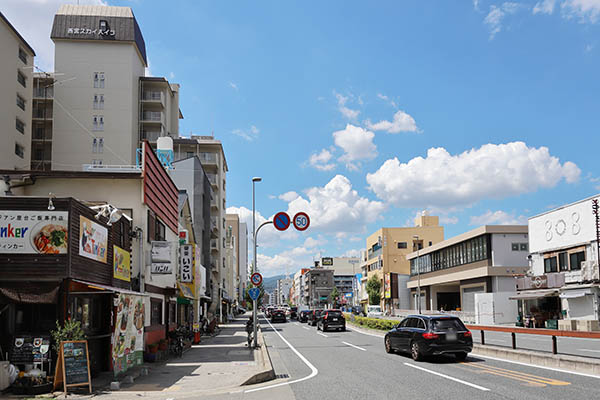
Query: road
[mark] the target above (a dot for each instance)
(353, 365)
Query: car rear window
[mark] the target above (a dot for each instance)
(447, 324)
(334, 313)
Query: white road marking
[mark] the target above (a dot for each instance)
(448, 377)
(536, 366)
(322, 334)
(356, 347)
(306, 328)
(595, 351)
(365, 333)
(313, 369)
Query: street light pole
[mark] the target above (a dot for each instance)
(254, 269)
(416, 237)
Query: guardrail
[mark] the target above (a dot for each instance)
(532, 331)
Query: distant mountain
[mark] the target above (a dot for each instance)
(270, 283)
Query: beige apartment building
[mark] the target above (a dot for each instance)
(212, 157)
(103, 103)
(387, 249)
(16, 92)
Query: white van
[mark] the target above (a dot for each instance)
(374, 311)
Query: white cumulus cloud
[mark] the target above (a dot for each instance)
(357, 144)
(336, 208)
(497, 14)
(544, 7)
(585, 10)
(321, 161)
(493, 170)
(498, 218)
(402, 122)
(346, 112)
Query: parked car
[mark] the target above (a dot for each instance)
(293, 312)
(278, 315)
(425, 335)
(331, 319)
(268, 312)
(358, 310)
(313, 317)
(374, 311)
(303, 315)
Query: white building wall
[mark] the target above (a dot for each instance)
(73, 112)
(502, 253)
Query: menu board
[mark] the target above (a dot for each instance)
(22, 350)
(73, 367)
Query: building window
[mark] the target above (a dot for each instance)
(98, 102)
(550, 265)
(190, 154)
(21, 102)
(100, 145)
(23, 55)
(563, 261)
(19, 150)
(515, 246)
(99, 80)
(430, 243)
(160, 231)
(94, 145)
(402, 245)
(155, 312)
(21, 79)
(20, 125)
(576, 259)
(523, 247)
(98, 122)
(96, 162)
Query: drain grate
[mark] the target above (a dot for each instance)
(281, 376)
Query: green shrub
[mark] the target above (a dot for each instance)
(70, 331)
(372, 323)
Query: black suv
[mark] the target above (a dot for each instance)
(278, 315)
(425, 335)
(313, 317)
(331, 319)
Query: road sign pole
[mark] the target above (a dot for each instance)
(254, 303)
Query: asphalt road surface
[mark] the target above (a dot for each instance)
(353, 365)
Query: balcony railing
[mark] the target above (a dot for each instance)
(39, 113)
(38, 92)
(152, 136)
(152, 96)
(212, 178)
(152, 116)
(208, 158)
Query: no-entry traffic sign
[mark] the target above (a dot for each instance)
(281, 221)
(256, 279)
(301, 221)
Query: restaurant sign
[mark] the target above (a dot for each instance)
(186, 263)
(161, 258)
(93, 240)
(34, 232)
(121, 264)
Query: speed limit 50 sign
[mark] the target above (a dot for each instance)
(301, 221)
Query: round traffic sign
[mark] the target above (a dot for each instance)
(301, 221)
(281, 221)
(256, 279)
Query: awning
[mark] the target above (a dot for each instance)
(572, 294)
(185, 291)
(108, 289)
(534, 294)
(31, 292)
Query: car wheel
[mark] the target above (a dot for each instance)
(343, 329)
(415, 351)
(388, 345)
(461, 356)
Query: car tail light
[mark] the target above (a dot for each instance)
(467, 334)
(430, 335)
(326, 315)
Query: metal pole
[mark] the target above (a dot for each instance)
(419, 278)
(254, 269)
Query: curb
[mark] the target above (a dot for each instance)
(560, 361)
(264, 360)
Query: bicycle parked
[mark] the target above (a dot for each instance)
(176, 343)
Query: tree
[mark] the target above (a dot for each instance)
(374, 290)
(260, 297)
(335, 296)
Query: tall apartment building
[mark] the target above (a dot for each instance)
(41, 122)
(243, 261)
(212, 157)
(387, 249)
(104, 105)
(16, 93)
(298, 284)
(318, 285)
(283, 290)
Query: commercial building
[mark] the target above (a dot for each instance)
(485, 260)
(239, 233)
(212, 157)
(387, 249)
(243, 263)
(563, 288)
(344, 276)
(283, 290)
(318, 285)
(298, 286)
(16, 93)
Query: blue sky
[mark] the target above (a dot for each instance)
(363, 113)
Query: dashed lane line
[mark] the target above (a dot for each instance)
(356, 347)
(322, 334)
(448, 377)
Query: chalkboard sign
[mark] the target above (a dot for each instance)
(73, 366)
(22, 350)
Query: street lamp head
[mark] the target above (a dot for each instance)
(256, 179)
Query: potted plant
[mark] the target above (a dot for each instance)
(71, 330)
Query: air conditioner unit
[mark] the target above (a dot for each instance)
(589, 271)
